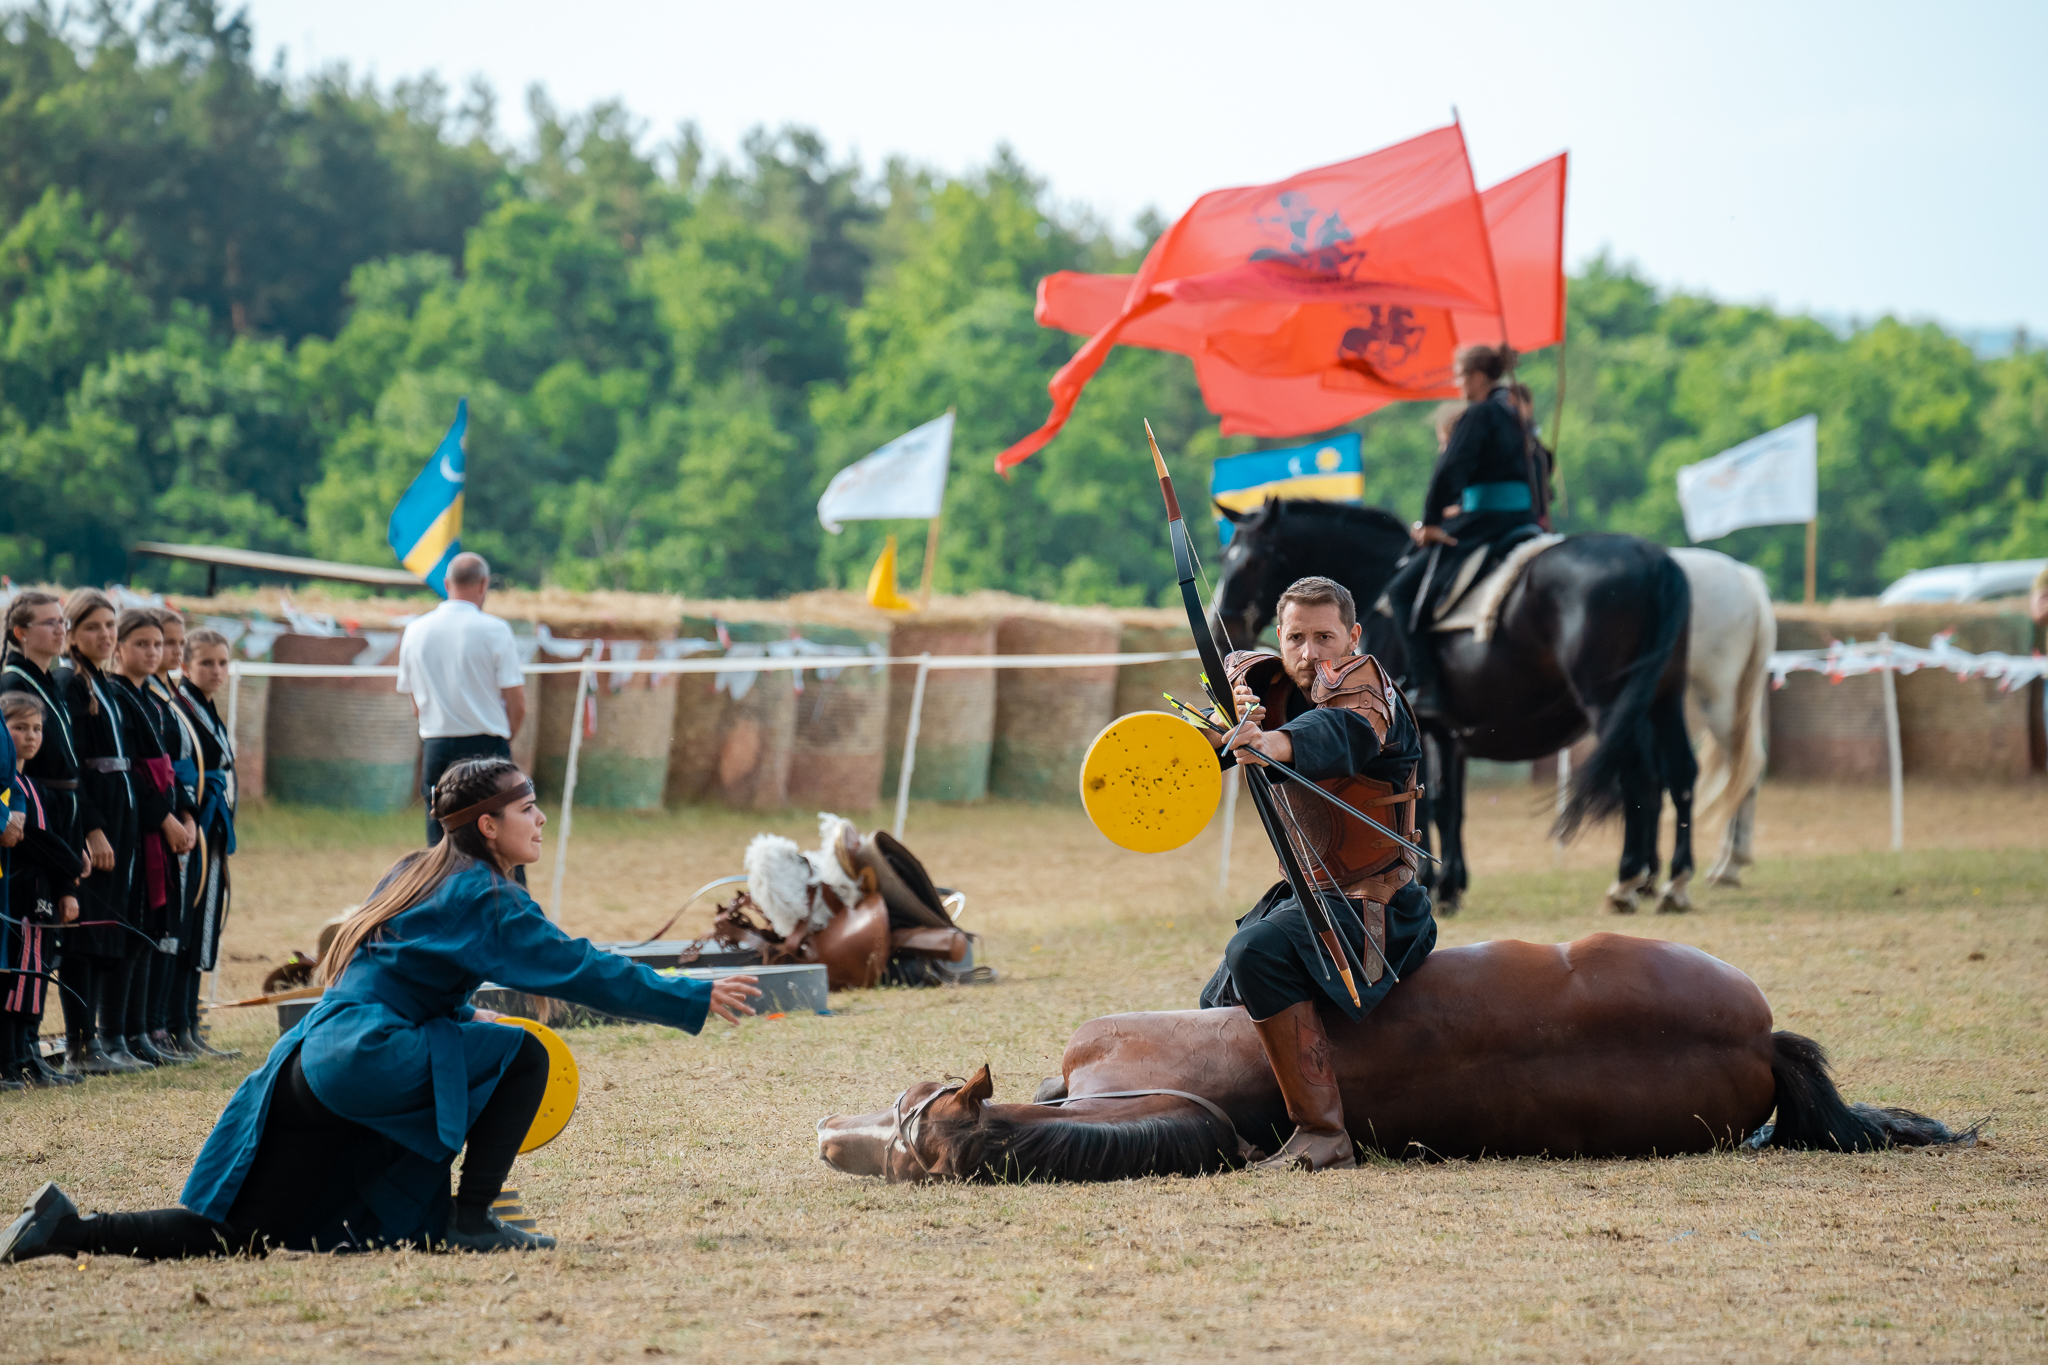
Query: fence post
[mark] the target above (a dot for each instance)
(584, 678)
(1889, 681)
(924, 668)
(1229, 833)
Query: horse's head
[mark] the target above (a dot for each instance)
(1291, 539)
(1244, 596)
(911, 1140)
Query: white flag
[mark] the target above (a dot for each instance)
(1772, 480)
(905, 479)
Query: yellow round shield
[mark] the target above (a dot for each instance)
(558, 1103)
(1150, 782)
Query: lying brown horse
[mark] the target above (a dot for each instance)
(1606, 1047)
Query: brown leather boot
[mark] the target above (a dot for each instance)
(1299, 1051)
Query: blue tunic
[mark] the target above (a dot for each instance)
(395, 1047)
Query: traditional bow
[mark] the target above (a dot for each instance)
(1216, 682)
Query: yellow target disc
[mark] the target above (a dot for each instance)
(558, 1103)
(1150, 782)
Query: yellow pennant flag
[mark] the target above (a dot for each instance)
(882, 582)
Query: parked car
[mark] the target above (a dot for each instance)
(1966, 582)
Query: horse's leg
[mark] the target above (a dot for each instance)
(1450, 819)
(1638, 870)
(1678, 770)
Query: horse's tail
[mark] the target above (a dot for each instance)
(1813, 1114)
(1627, 747)
(1727, 778)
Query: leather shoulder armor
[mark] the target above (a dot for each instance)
(1358, 684)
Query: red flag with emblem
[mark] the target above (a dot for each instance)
(1276, 278)
(1276, 366)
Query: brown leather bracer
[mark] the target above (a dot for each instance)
(1341, 852)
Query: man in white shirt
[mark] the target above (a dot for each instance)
(461, 668)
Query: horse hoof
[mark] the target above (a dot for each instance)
(1724, 879)
(1622, 905)
(1447, 907)
(1673, 905)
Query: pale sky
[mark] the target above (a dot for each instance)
(1851, 159)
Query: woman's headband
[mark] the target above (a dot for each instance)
(490, 805)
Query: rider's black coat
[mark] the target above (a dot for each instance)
(1488, 445)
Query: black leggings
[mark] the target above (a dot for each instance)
(304, 1143)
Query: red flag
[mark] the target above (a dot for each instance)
(1525, 223)
(1262, 274)
(1280, 368)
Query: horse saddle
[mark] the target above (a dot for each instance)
(863, 906)
(1480, 583)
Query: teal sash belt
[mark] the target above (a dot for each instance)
(1497, 497)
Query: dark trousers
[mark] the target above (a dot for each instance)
(437, 756)
(291, 1187)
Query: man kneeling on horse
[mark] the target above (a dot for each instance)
(1344, 726)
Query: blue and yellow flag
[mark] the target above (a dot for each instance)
(426, 526)
(1328, 471)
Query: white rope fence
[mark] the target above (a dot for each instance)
(588, 669)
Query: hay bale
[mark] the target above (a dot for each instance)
(1966, 729)
(252, 719)
(1823, 730)
(1138, 686)
(956, 730)
(733, 733)
(1047, 717)
(842, 722)
(623, 761)
(1949, 727)
(351, 743)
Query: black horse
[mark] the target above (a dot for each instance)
(1592, 637)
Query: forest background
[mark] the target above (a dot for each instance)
(237, 309)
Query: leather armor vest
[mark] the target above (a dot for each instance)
(1343, 853)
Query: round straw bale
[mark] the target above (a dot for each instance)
(351, 743)
(622, 763)
(1823, 730)
(1140, 687)
(1966, 728)
(733, 731)
(956, 728)
(1047, 717)
(842, 719)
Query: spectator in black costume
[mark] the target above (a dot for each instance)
(1487, 488)
(163, 821)
(36, 636)
(41, 881)
(181, 745)
(204, 673)
(108, 937)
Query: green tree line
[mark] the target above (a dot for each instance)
(239, 309)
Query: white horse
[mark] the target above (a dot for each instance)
(1728, 678)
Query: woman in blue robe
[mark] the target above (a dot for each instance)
(345, 1138)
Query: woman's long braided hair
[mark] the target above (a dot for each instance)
(417, 876)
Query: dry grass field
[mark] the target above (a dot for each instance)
(696, 1220)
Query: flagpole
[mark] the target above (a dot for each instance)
(1812, 556)
(1564, 342)
(931, 555)
(931, 540)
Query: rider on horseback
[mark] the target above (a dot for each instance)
(1489, 488)
(1344, 727)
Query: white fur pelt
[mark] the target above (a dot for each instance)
(783, 879)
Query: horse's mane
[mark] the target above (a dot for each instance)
(1000, 1149)
(1368, 518)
